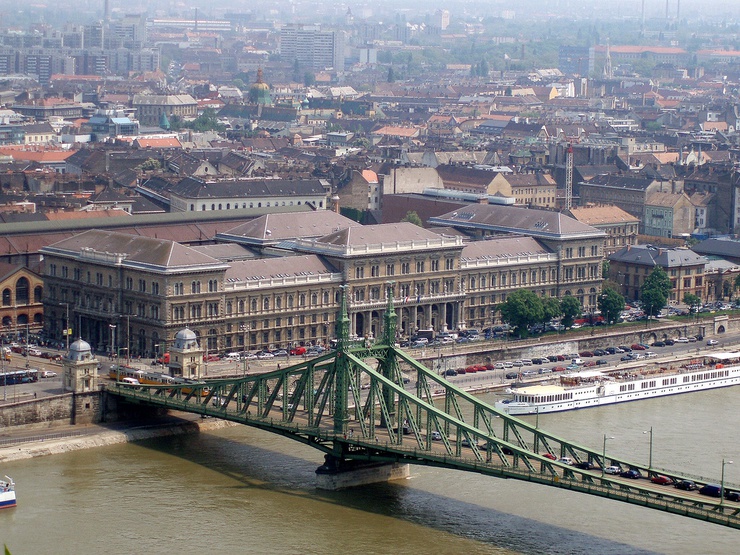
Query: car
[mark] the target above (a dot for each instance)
(584, 465)
(565, 460)
(312, 353)
(650, 354)
(281, 353)
(545, 370)
(611, 350)
(518, 363)
(601, 362)
(669, 342)
(572, 367)
(694, 338)
(508, 364)
(638, 347)
(552, 358)
(625, 349)
(712, 490)
(529, 373)
(613, 470)
(265, 356)
(600, 353)
(466, 443)
(512, 375)
(538, 361)
(549, 456)
(626, 357)
(682, 340)
(499, 366)
(662, 480)
(712, 342)
(732, 495)
(48, 374)
(632, 473)
(586, 354)
(659, 344)
(686, 485)
(436, 436)
(34, 352)
(450, 372)
(297, 351)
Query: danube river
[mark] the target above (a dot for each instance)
(240, 490)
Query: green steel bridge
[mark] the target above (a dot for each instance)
(352, 404)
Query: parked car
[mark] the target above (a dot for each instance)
(611, 350)
(625, 349)
(586, 354)
(659, 344)
(632, 473)
(510, 375)
(549, 456)
(686, 485)
(48, 374)
(450, 372)
(565, 460)
(732, 495)
(638, 347)
(613, 470)
(600, 353)
(711, 342)
(297, 351)
(265, 355)
(436, 436)
(669, 342)
(662, 480)
(584, 465)
(601, 362)
(682, 340)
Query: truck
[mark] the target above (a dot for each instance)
(423, 334)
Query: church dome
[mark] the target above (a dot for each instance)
(186, 339)
(259, 92)
(79, 350)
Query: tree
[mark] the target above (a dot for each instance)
(655, 291)
(551, 306)
(412, 217)
(522, 309)
(309, 79)
(605, 269)
(391, 75)
(571, 309)
(692, 300)
(611, 304)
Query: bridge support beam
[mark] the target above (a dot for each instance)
(336, 474)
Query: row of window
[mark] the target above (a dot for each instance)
(581, 251)
(405, 268)
(228, 206)
(22, 293)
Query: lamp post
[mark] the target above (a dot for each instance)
(245, 330)
(650, 456)
(722, 482)
(112, 338)
(66, 327)
(603, 455)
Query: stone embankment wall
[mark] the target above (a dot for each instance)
(68, 408)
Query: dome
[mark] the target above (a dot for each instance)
(79, 350)
(186, 339)
(259, 92)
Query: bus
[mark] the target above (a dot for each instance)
(19, 376)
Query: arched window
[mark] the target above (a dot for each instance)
(38, 294)
(278, 303)
(21, 291)
(22, 319)
(302, 299)
(7, 321)
(314, 299)
(241, 307)
(290, 301)
(6, 297)
(265, 304)
(253, 305)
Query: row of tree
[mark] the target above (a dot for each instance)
(523, 309)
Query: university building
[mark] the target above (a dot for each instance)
(277, 281)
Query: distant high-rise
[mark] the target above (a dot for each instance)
(313, 48)
(576, 60)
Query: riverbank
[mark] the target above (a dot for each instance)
(22, 444)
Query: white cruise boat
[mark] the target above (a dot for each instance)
(7, 493)
(594, 388)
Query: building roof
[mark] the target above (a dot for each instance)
(503, 247)
(273, 228)
(278, 267)
(378, 234)
(719, 247)
(606, 214)
(648, 255)
(664, 200)
(542, 224)
(114, 248)
(194, 188)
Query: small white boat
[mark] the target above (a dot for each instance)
(7, 493)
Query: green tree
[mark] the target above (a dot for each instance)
(655, 291)
(522, 309)
(412, 217)
(391, 75)
(150, 164)
(605, 269)
(611, 304)
(571, 309)
(309, 79)
(692, 300)
(552, 308)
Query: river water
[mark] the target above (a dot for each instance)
(248, 491)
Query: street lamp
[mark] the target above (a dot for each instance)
(603, 455)
(722, 482)
(650, 456)
(112, 338)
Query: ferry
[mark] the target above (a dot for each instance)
(7, 493)
(594, 388)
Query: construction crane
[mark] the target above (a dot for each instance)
(569, 177)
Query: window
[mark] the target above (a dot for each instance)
(278, 303)
(179, 289)
(314, 299)
(419, 266)
(449, 263)
(195, 287)
(435, 265)
(326, 297)
(569, 252)
(142, 286)
(212, 285)
(359, 272)
(374, 270)
(405, 269)
(253, 305)
(581, 252)
(390, 269)
(99, 279)
(302, 300)
(265, 304)
(155, 288)
(129, 283)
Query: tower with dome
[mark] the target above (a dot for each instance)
(259, 92)
(186, 356)
(80, 368)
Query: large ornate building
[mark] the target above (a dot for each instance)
(135, 293)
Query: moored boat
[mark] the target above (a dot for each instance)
(593, 388)
(7, 493)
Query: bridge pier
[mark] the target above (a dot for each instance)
(336, 474)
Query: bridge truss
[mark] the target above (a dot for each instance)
(377, 404)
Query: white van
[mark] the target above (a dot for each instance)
(577, 362)
(232, 357)
(130, 381)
